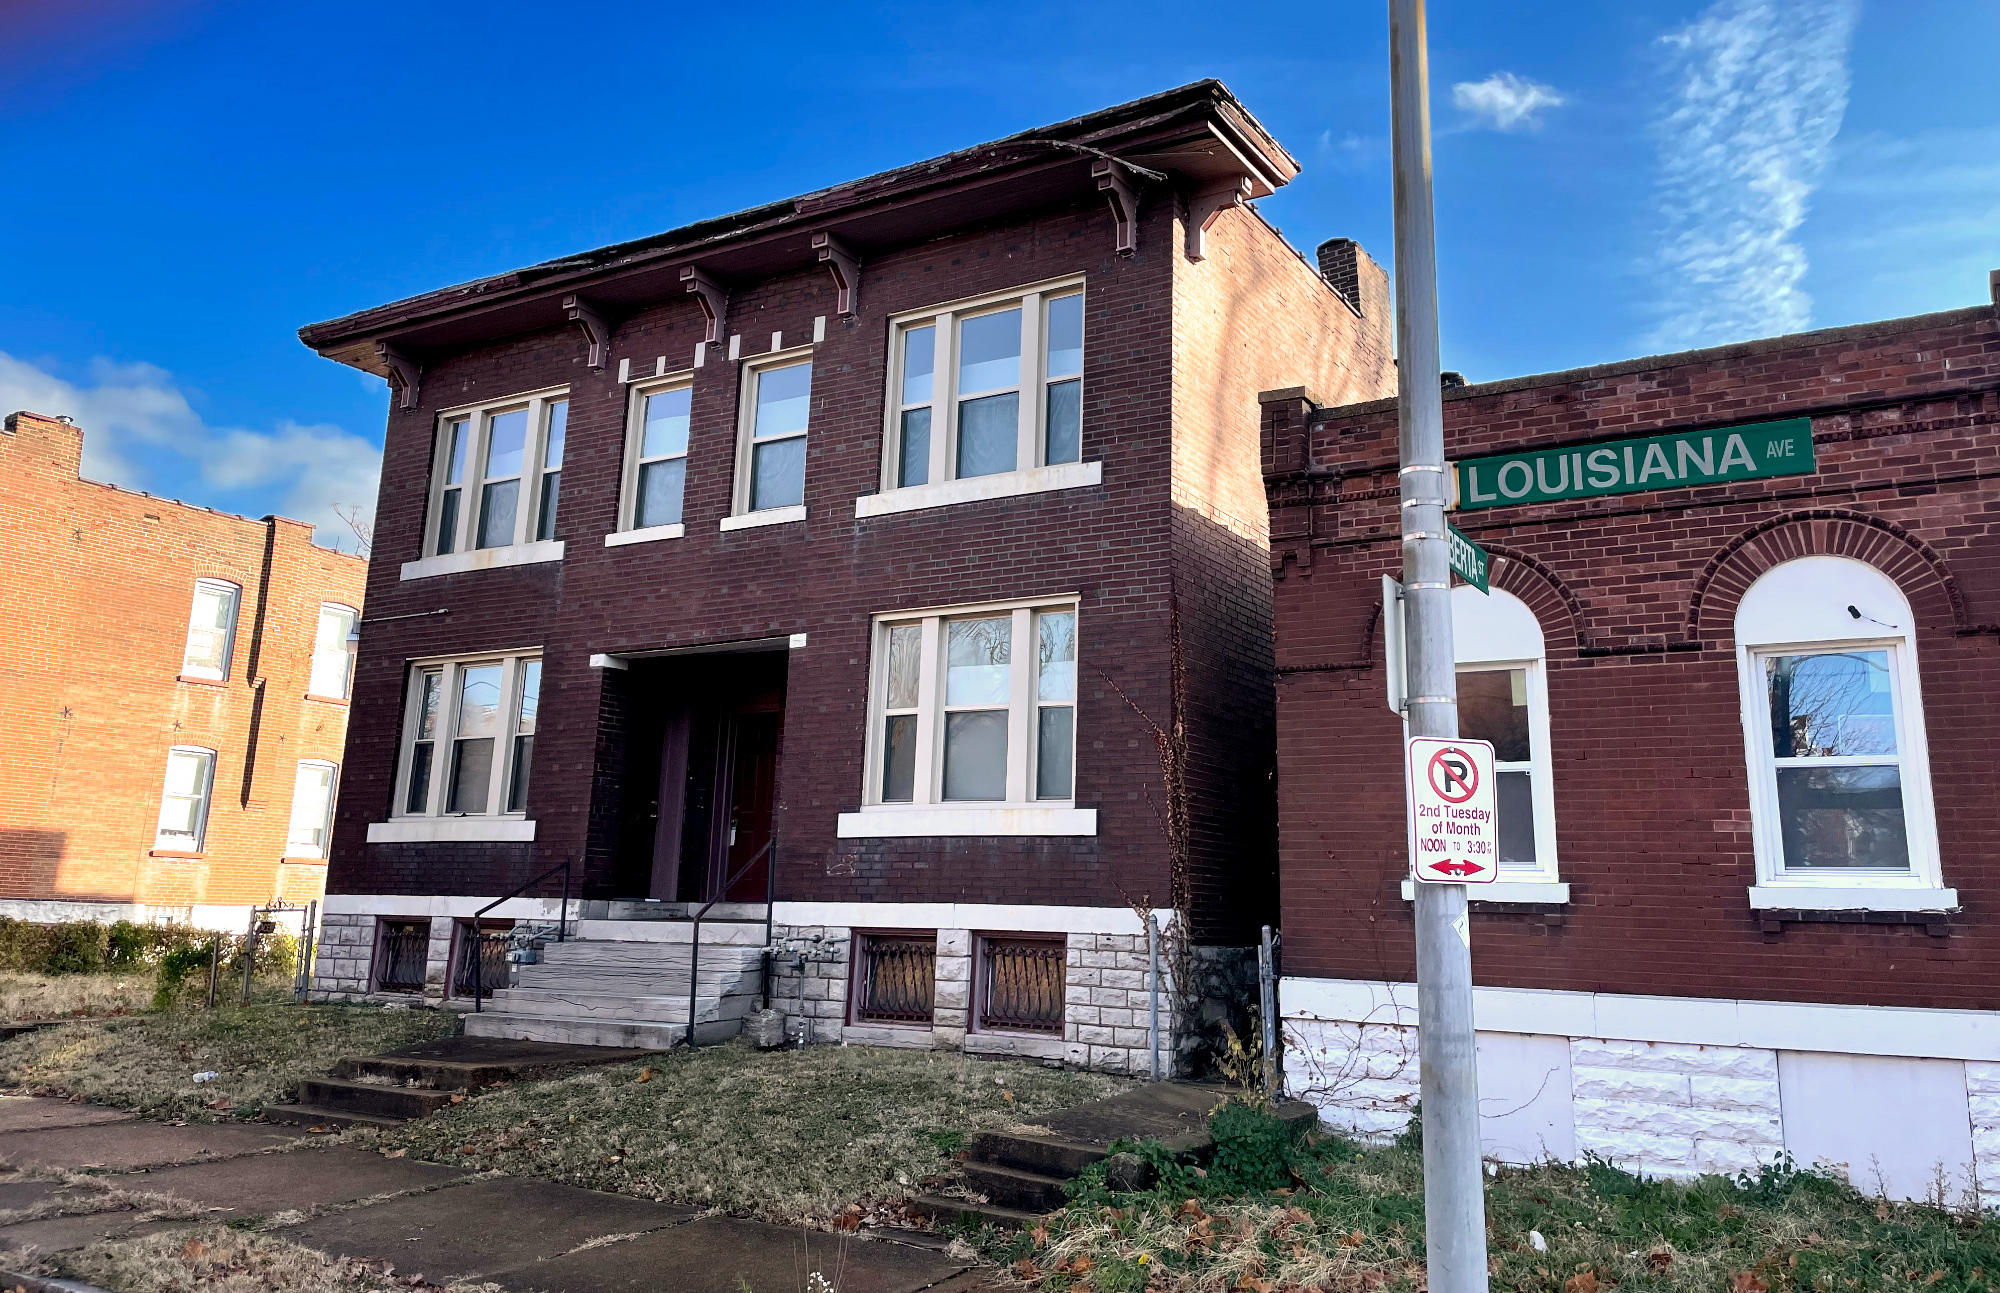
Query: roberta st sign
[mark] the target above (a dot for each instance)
(1716, 456)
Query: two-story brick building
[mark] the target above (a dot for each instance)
(173, 697)
(1739, 663)
(887, 564)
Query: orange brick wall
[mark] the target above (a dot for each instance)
(94, 604)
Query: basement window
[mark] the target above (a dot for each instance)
(895, 978)
(402, 955)
(1020, 984)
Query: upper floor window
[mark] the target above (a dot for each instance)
(1834, 729)
(974, 706)
(771, 443)
(1503, 698)
(184, 803)
(333, 651)
(469, 736)
(312, 810)
(211, 635)
(656, 453)
(986, 387)
(497, 473)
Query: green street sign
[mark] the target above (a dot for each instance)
(1468, 559)
(1675, 460)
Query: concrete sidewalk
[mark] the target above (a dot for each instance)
(526, 1235)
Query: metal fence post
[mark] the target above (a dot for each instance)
(249, 954)
(1153, 993)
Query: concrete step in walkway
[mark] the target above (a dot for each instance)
(1021, 1174)
(385, 1090)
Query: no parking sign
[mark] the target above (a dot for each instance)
(1454, 831)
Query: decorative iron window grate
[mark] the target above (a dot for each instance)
(493, 967)
(896, 981)
(1021, 984)
(404, 956)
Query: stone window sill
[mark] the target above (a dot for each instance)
(1006, 484)
(929, 822)
(179, 854)
(301, 861)
(769, 516)
(1826, 897)
(428, 830)
(650, 534)
(456, 563)
(341, 701)
(1543, 892)
(202, 682)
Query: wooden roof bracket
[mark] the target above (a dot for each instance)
(1116, 184)
(1205, 207)
(596, 329)
(406, 375)
(838, 257)
(713, 296)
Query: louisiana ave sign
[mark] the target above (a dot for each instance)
(1454, 833)
(1717, 456)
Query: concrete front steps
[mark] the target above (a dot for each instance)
(624, 983)
(388, 1090)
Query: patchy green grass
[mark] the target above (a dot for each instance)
(1348, 1218)
(791, 1135)
(218, 1259)
(28, 998)
(259, 1053)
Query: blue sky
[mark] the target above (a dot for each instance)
(191, 181)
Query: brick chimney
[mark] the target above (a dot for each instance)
(47, 445)
(1340, 266)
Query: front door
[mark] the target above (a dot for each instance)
(753, 783)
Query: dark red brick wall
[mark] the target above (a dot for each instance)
(1637, 596)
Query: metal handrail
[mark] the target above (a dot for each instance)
(694, 956)
(478, 950)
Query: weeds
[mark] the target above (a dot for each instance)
(220, 1259)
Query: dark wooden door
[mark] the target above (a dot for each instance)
(753, 787)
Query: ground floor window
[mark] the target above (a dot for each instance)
(895, 978)
(1020, 983)
(490, 949)
(402, 955)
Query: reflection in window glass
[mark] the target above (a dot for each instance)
(524, 735)
(458, 434)
(975, 754)
(1839, 779)
(552, 456)
(914, 467)
(333, 652)
(430, 695)
(899, 732)
(988, 435)
(977, 660)
(978, 656)
(1843, 817)
(184, 803)
(778, 449)
(1493, 706)
(1831, 705)
(312, 811)
(211, 630)
(989, 352)
(1055, 723)
(1065, 336)
(478, 727)
(919, 364)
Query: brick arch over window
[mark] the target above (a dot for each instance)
(1553, 602)
(1826, 531)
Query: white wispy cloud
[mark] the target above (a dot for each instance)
(304, 471)
(1759, 91)
(1505, 101)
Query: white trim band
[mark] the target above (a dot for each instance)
(998, 917)
(457, 563)
(1826, 897)
(929, 822)
(769, 516)
(1004, 484)
(429, 830)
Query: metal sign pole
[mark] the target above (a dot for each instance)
(1454, 1195)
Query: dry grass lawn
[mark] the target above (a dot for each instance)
(259, 1053)
(216, 1259)
(29, 998)
(789, 1136)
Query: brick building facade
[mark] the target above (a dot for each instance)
(893, 525)
(1753, 848)
(172, 696)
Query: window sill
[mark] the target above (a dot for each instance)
(769, 516)
(1826, 897)
(457, 563)
(931, 821)
(202, 682)
(1005, 484)
(180, 854)
(427, 830)
(1538, 891)
(301, 861)
(328, 700)
(649, 534)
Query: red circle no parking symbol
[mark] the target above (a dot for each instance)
(1454, 777)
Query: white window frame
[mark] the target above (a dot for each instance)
(1031, 474)
(1515, 643)
(1800, 607)
(452, 669)
(524, 548)
(929, 813)
(235, 594)
(206, 800)
(292, 849)
(740, 514)
(628, 530)
(347, 651)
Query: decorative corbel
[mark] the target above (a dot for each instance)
(846, 266)
(596, 329)
(1205, 207)
(714, 298)
(1117, 187)
(406, 375)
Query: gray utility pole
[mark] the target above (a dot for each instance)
(1454, 1191)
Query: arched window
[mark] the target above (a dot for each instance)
(1833, 729)
(1503, 698)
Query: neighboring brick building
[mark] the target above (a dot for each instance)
(1752, 858)
(920, 480)
(172, 697)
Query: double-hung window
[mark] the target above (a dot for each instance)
(211, 635)
(496, 475)
(771, 442)
(1503, 698)
(312, 810)
(183, 826)
(333, 651)
(656, 456)
(469, 737)
(973, 708)
(1833, 725)
(989, 389)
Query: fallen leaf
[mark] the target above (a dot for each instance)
(1660, 1258)
(394, 1153)
(645, 1075)
(1040, 1234)
(1081, 1263)
(1027, 1270)
(458, 1097)
(1746, 1282)
(1008, 1096)
(194, 1250)
(1581, 1282)
(1353, 1239)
